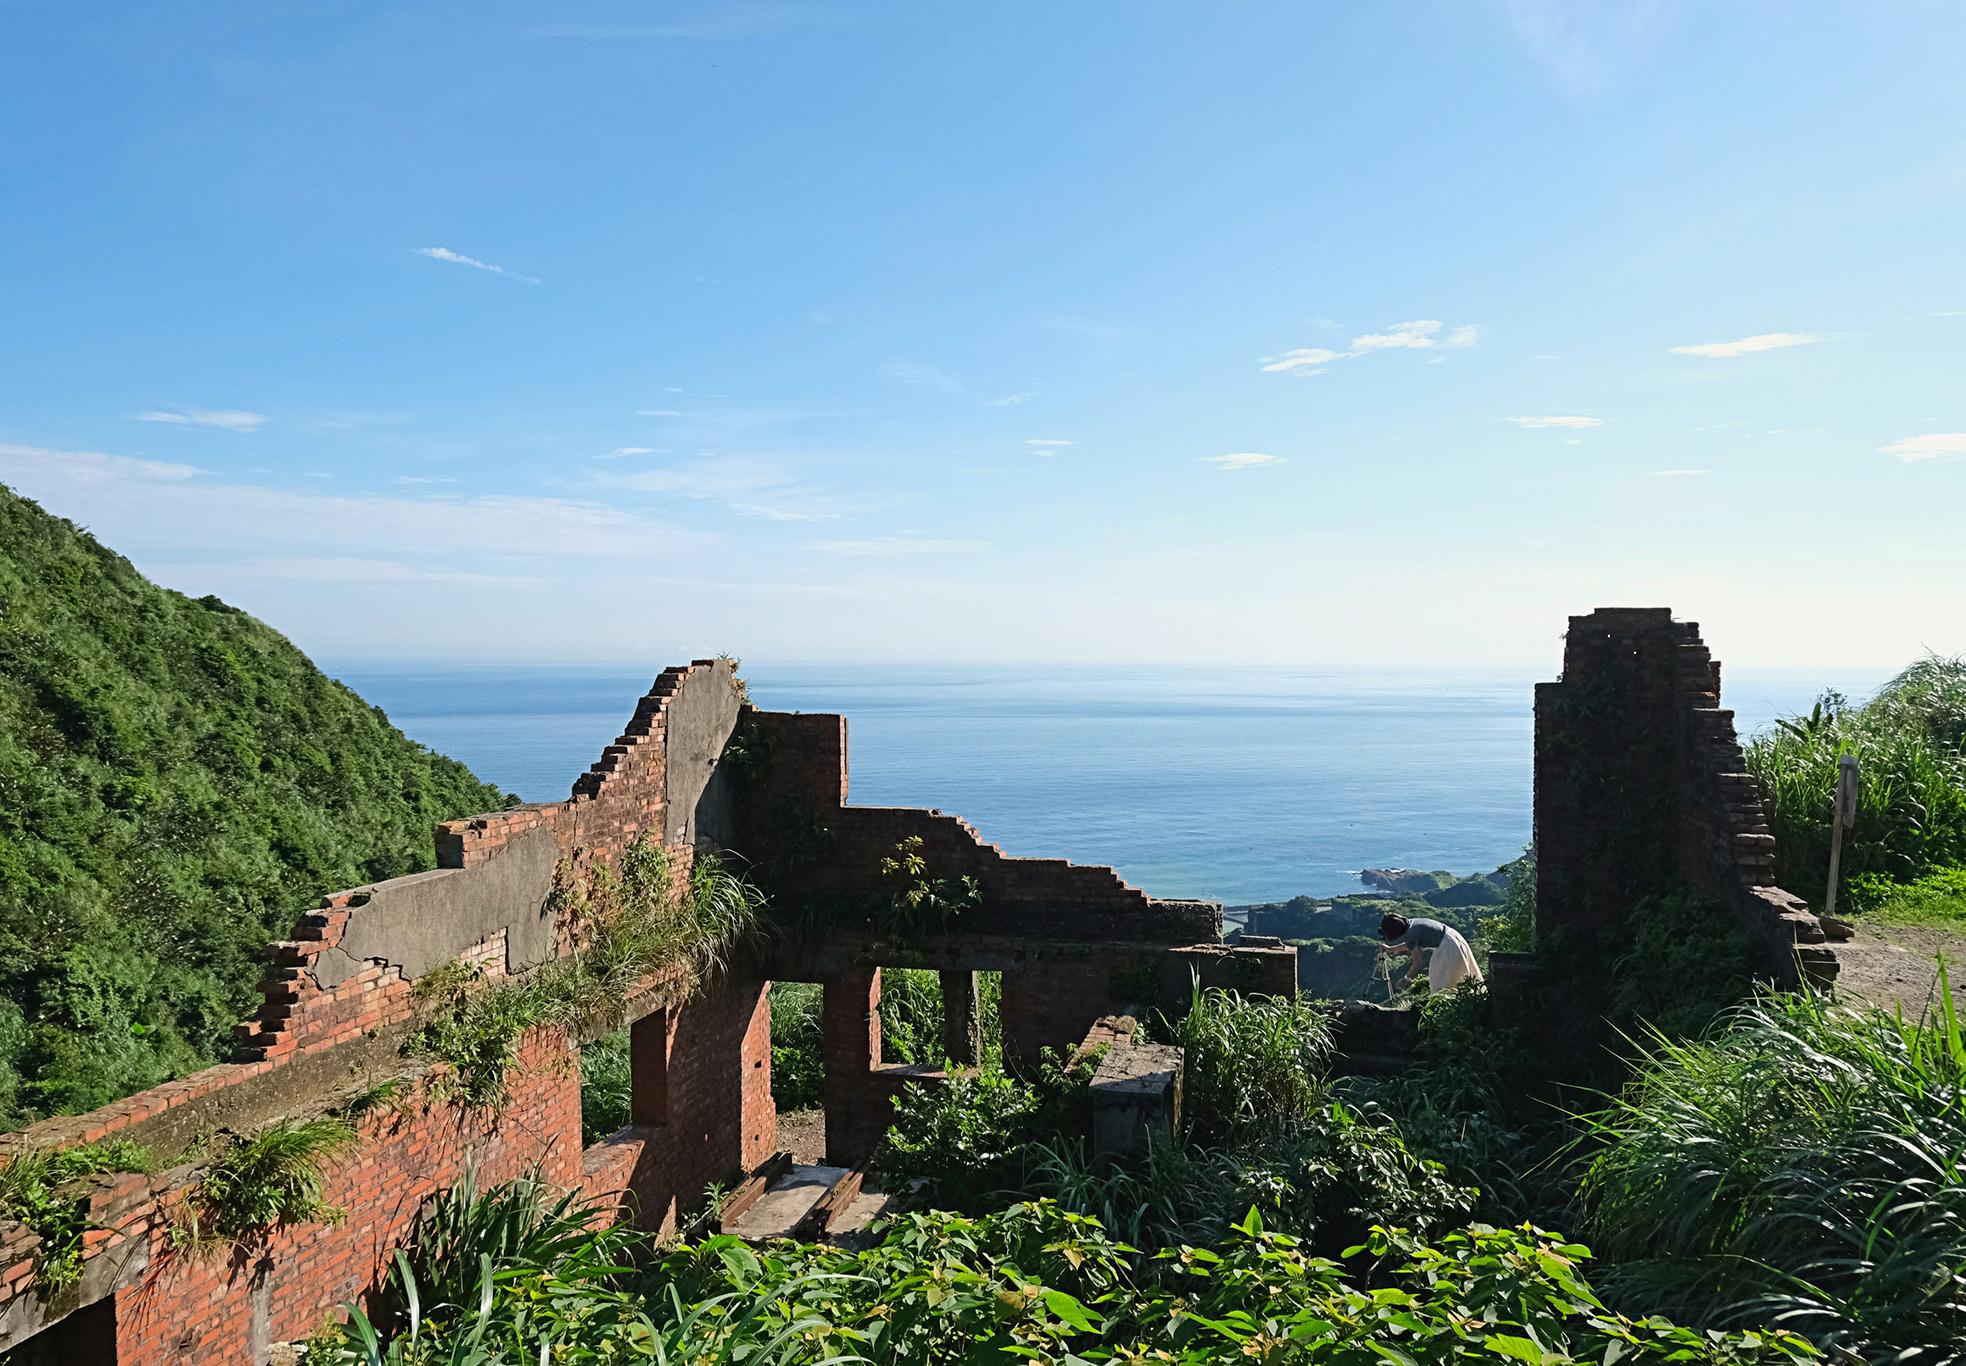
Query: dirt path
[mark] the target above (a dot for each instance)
(802, 1133)
(1898, 965)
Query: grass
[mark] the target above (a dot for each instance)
(1910, 742)
(1800, 1166)
(606, 1086)
(1253, 1064)
(264, 1181)
(1937, 900)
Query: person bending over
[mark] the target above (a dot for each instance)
(1449, 959)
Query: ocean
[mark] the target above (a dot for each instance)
(1239, 785)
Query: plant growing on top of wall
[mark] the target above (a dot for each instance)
(264, 1181)
(916, 895)
(629, 923)
(31, 1192)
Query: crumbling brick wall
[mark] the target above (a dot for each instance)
(339, 1003)
(1642, 789)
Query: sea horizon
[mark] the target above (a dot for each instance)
(1239, 784)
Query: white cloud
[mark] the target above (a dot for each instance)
(1303, 360)
(1541, 423)
(424, 479)
(1046, 445)
(1422, 334)
(86, 466)
(1765, 341)
(627, 452)
(888, 546)
(228, 419)
(1677, 474)
(1011, 400)
(1931, 446)
(458, 259)
(1241, 460)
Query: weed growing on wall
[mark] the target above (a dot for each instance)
(32, 1192)
(916, 897)
(264, 1181)
(629, 924)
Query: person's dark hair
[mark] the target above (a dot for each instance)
(1392, 926)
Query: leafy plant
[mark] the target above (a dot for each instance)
(965, 1136)
(1687, 963)
(917, 896)
(31, 1192)
(272, 1178)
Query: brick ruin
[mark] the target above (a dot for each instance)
(1080, 952)
(1639, 788)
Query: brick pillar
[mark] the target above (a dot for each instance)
(856, 1110)
(962, 1018)
(648, 1069)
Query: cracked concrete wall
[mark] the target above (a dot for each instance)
(423, 921)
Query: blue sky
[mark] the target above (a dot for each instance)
(1294, 333)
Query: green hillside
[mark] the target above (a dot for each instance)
(177, 783)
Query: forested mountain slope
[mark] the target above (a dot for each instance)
(177, 784)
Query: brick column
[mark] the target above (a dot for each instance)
(856, 1110)
(962, 1018)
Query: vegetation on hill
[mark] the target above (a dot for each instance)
(1910, 743)
(177, 784)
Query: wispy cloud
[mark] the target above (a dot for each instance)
(891, 546)
(1765, 341)
(1303, 360)
(459, 259)
(91, 466)
(424, 479)
(227, 419)
(1677, 474)
(1046, 445)
(629, 452)
(751, 486)
(1241, 460)
(1011, 400)
(1421, 334)
(1573, 420)
(1931, 446)
(922, 375)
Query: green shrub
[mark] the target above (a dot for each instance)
(1687, 963)
(1801, 1166)
(1936, 899)
(606, 1086)
(31, 1191)
(1035, 1282)
(798, 1045)
(965, 1136)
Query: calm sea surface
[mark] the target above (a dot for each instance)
(1242, 785)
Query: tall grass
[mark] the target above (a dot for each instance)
(1910, 740)
(1802, 1166)
(1252, 1065)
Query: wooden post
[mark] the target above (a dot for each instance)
(1848, 783)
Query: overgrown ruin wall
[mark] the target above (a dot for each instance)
(1642, 789)
(341, 1000)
